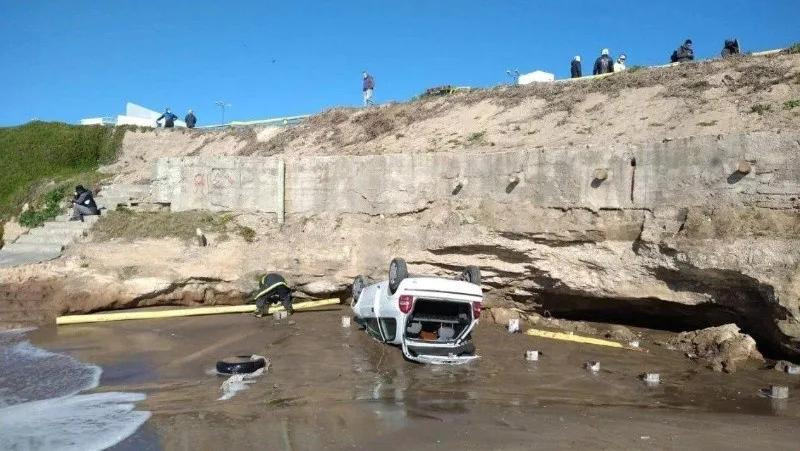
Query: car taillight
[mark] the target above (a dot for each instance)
(476, 310)
(405, 302)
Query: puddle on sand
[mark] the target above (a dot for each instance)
(334, 387)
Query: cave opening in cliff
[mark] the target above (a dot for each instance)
(661, 315)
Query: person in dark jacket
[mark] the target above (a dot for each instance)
(169, 118)
(272, 289)
(731, 47)
(83, 204)
(367, 87)
(684, 53)
(604, 64)
(190, 119)
(575, 67)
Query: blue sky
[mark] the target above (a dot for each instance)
(64, 60)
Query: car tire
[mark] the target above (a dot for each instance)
(471, 274)
(359, 283)
(398, 271)
(240, 364)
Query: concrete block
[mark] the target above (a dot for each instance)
(592, 366)
(513, 325)
(778, 391)
(651, 378)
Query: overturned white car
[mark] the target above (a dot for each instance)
(430, 318)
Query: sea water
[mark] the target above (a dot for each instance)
(41, 405)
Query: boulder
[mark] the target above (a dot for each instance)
(722, 347)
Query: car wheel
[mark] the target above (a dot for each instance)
(240, 364)
(358, 285)
(397, 273)
(471, 274)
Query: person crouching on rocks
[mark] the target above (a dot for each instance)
(273, 289)
(83, 204)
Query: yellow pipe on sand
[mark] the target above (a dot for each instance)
(157, 314)
(573, 338)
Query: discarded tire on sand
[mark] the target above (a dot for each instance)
(240, 364)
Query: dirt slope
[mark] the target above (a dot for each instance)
(639, 106)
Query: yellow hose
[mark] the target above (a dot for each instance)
(573, 338)
(156, 314)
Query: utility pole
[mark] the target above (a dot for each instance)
(222, 105)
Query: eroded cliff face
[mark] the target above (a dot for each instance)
(661, 269)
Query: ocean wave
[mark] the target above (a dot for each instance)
(40, 404)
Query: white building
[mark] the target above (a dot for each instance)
(134, 115)
(536, 76)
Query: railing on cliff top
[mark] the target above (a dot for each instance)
(277, 122)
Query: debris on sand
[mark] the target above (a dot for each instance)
(721, 347)
(787, 367)
(621, 333)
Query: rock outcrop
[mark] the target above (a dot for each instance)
(722, 348)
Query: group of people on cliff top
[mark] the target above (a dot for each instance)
(169, 119)
(605, 64)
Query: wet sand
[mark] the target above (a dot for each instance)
(335, 388)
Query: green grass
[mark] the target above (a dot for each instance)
(791, 104)
(48, 209)
(34, 154)
(794, 48)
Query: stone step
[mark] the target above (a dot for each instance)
(54, 233)
(60, 222)
(112, 203)
(124, 189)
(33, 248)
(47, 240)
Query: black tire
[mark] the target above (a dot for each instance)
(398, 271)
(240, 364)
(471, 274)
(358, 285)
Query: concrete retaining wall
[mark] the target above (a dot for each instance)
(216, 183)
(689, 172)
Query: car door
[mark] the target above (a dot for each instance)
(379, 325)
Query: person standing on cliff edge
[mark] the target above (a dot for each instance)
(604, 64)
(169, 118)
(190, 119)
(575, 68)
(367, 88)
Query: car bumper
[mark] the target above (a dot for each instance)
(439, 354)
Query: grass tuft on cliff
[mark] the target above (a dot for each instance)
(38, 153)
(129, 225)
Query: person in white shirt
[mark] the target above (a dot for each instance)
(619, 65)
